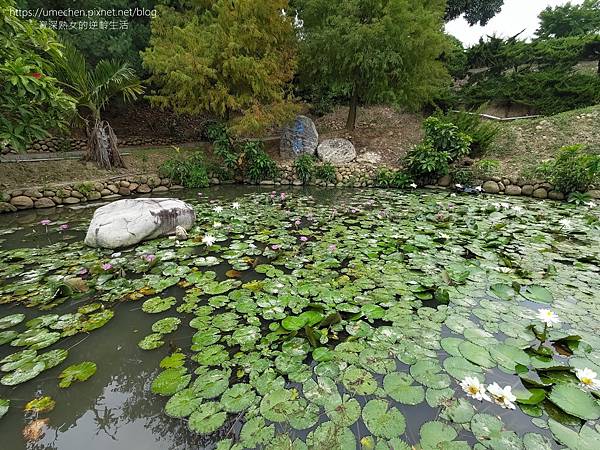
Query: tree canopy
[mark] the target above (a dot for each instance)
(230, 59)
(96, 43)
(374, 51)
(474, 11)
(570, 20)
(31, 101)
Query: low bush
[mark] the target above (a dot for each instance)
(258, 166)
(486, 168)
(447, 137)
(572, 170)
(393, 179)
(305, 168)
(482, 132)
(463, 175)
(190, 172)
(325, 172)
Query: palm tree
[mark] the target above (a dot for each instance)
(92, 90)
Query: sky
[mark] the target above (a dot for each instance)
(515, 16)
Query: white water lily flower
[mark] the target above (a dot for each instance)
(209, 240)
(566, 223)
(235, 205)
(218, 209)
(550, 318)
(217, 225)
(474, 388)
(505, 205)
(458, 186)
(479, 189)
(453, 195)
(588, 378)
(413, 185)
(517, 209)
(503, 397)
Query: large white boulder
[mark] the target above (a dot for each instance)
(336, 151)
(301, 138)
(126, 222)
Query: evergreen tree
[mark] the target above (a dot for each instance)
(570, 20)
(230, 58)
(374, 50)
(474, 11)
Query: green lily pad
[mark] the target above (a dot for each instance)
(575, 401)
(398, 386)
(166, 325)
(538, 294)
(23, 373)
(183, 403)
(11, 321)
(151, 342)
(383, 420)
(4, 405)
(170, 381)
(238, 397)
(157, 305)
(76, 372)
(208, 419)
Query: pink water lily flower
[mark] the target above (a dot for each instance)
(332, 248)
(63, 227)
(282, 195)
(275, 247)
(303, 238)
(149, 258)
(45, 222)
(106, 266)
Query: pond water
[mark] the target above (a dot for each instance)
(313, 319)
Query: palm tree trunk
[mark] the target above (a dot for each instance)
(102, 146)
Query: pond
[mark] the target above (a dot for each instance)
(319, 319)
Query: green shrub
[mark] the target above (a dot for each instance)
(486, 168)
(189, 172)
(326, 172)
(573, 169)
(223, 148)
(482, 132)
(425, 161)
(447, 137)
(463, 175)
(258, 165)
(393, 178)
(305, 168)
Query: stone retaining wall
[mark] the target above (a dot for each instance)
(350, 175)
(61, 144)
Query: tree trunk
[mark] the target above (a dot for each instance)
(102, 146)
(351, 122)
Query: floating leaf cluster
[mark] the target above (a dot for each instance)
(323, 325)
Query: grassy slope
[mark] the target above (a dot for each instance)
(523, 144)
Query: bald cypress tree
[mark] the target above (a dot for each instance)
(230, 58)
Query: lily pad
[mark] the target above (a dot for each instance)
(76, 372)
(575, 401)
(383, 420)
(208, 419)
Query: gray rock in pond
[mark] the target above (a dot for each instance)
(126, 222)
(336, 151)
(301, 138)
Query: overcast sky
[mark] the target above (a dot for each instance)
(515, 16)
